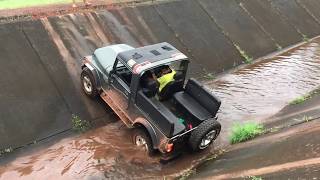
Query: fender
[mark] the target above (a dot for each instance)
(93, 71)
(152, 132)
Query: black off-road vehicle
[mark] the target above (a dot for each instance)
(183, 113)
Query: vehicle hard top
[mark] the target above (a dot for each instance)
(140, 59)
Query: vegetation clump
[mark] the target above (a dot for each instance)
(255, 178)
(5, 151)
(279, 47)
(247, 58)
(300, 99)
(80, 125)
(209, 76)
(305, 38)
(244, 132)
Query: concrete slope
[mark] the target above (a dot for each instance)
(40, 59)
(294, 153)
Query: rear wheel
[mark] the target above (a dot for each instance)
(88, 83)
(204, 135)
(142, 139)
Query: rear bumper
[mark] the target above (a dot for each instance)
(179, 146)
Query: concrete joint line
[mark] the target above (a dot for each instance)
(225, 34)
(285, 18)
(258, 24)
(46, 69)
(307, 10)
(175, 34)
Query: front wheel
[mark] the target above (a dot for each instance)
(88, 83)
(204, 135)
(141, 139)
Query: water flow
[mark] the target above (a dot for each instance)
(263, 88)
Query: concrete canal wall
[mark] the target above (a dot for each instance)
(40, 59)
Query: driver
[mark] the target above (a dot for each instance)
(165, 76)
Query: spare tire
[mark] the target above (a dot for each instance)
(204, 135)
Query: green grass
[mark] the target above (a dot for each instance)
(209, 76)
(279, 47)
(246, 131)
(305, 38)
(247, 58)
(13, 4)
(300, 99)
(255, 178)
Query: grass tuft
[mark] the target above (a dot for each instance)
(209, 76)
(6, 150)
(246, 131)
(305, 38)
(279, 47)
(80, 125)
(300, 99)
(255, 178)
(247, 58)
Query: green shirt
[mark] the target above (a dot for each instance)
(165, 79)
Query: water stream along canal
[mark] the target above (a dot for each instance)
(251, 93)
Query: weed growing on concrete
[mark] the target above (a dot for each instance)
(306, 118)
(244, 132)
(300, 99)
(187, 174)
(6, 150)
(278, 47)
(247, 58)
(255, 178)
(80, 125)
(209, 76)
(305, 38)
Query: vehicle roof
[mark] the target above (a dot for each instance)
(110, 52)
(148, 55)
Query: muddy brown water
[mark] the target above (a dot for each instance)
(261, 89)
(251, 93)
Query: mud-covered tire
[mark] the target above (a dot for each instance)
(88, 83)
(142, 139)
(208, 129)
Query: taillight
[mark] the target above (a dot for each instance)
(169, 147)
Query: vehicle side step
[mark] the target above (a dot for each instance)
(114, 101)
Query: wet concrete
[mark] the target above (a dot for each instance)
(310, 172)
(200, 34)
(276, 156)
(51, 50)
(109, 152)
(261, 89)
(311, 6)
(272, 24)
(58, 43)
(27, 93)
(239, 27)
(297, 16)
